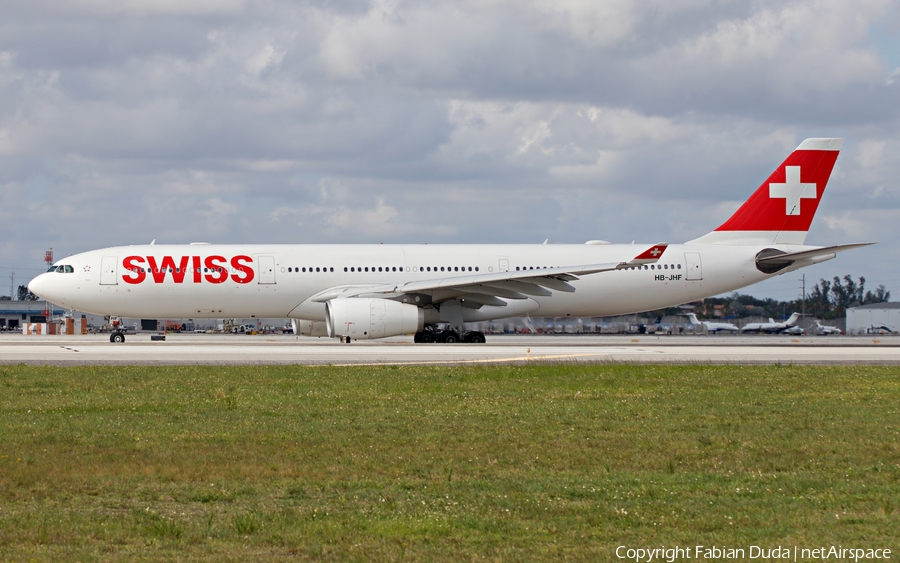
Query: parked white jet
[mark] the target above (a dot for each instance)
(375, 291)
(772, 326)
(826, 329)
(713, 326)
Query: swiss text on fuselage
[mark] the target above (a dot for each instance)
(187, 269)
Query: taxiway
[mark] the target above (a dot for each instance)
(211, 349)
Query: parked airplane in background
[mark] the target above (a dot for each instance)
(375, 291)
(772, 326)
(826, 329)
(713, 326)
(880, 329)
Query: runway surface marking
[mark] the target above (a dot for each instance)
(527, 358)
(287, 349)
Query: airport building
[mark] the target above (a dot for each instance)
(875, 318)
(14, 314)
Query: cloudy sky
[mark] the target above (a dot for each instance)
(123, 121)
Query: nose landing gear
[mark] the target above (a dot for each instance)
(118, 333)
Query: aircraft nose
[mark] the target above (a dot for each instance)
(38, 286)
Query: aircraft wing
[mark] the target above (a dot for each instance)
(487, 289)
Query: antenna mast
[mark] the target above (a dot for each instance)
(803, 294)
(48, 309)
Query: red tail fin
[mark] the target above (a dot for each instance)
(782, 208)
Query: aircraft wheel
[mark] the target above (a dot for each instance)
(448, 337)
(475, 337)
(426, 337)
(117, 337)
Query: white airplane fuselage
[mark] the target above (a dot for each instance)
(273, 281)
(720, 327)
(374, 291)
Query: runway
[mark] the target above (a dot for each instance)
(209, 349)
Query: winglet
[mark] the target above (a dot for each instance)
(649, 256)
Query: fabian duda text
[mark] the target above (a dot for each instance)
(672, 554)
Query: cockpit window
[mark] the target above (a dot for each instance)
(63, 269)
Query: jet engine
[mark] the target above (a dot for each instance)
(365, 318)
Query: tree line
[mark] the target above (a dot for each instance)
(826, 300)
(22, 294)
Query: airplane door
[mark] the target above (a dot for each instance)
(694, 268)
(504, 265)
(109, 270)
(266, 269)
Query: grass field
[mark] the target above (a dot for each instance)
(552, 462)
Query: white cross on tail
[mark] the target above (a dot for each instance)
(792, 190)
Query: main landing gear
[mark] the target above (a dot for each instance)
(448, 336)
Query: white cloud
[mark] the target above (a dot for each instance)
(218, 210)
(847, 224)
(157, 7)
(892, 78)
(409, 121)
(595, 24)
(7, 146)
(266, 57)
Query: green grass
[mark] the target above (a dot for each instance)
(553, 462)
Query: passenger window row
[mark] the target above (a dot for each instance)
(449, 268)
(655, 267)
(383, 269)
(311, 269)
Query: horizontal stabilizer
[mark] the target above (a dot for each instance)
(790, 257)
(772, 260)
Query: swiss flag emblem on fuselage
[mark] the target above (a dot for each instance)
(788, 199)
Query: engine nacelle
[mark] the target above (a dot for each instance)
(363, 318)
(310, 328)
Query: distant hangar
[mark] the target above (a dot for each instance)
(875, 318)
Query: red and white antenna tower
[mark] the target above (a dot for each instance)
(48, 258)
